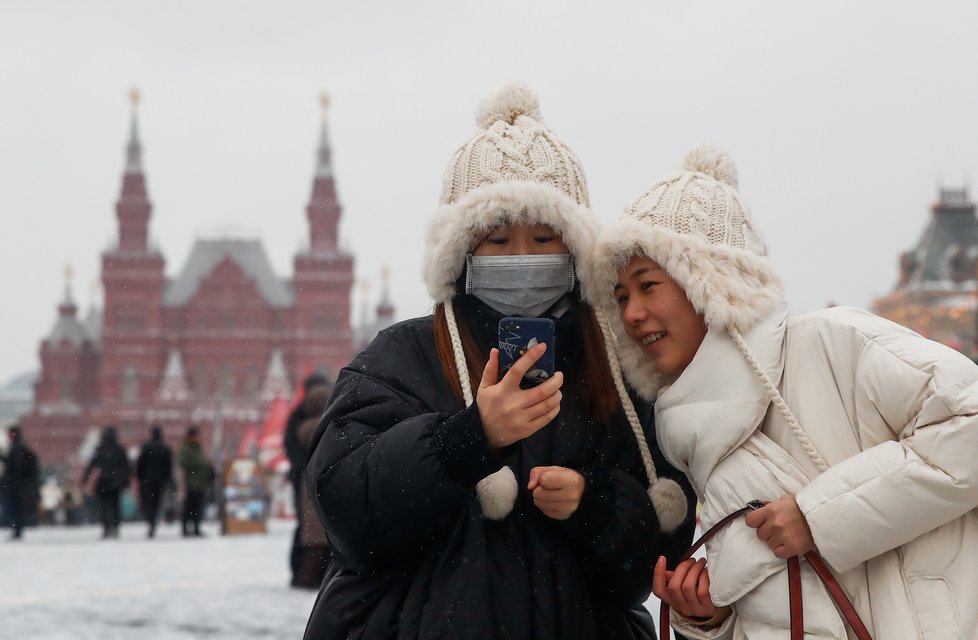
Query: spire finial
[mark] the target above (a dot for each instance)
(68, 302)
(324, 167)
(134, 163)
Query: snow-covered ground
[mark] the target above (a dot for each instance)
(67, 583)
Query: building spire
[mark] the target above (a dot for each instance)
(324, 165)
(323, 211)
(134, 153)
(133, 207)
(67, 306)
(385, 309)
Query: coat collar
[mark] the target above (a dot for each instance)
(718, 402)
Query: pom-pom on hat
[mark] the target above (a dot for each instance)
(694, 224)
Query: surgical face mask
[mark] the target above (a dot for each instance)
(525, 285)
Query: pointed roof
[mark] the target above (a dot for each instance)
(134, 153)
(276, 379)
(174, 366)
(276, 366)
(385, 309)
(93, 323)
(247, 254)
(324, 163)
(67, 327)
(173, 387)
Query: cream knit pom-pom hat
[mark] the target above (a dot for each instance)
(694, 224)
(515, 171)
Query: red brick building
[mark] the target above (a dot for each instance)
(211, 346)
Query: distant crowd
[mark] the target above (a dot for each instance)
(101, 492)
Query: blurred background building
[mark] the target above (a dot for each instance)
(936, 292)
(217, 345)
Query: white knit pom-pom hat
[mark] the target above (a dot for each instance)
(694, 225)
(515, 171)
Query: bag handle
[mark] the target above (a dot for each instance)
(794, 584)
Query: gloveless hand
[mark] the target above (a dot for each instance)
(509, 413)
(783, 527)
(686, 589)
(556, 491)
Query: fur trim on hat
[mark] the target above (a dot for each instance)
(457, 228)
(732, 288)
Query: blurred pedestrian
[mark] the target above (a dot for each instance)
(113, 477)
(198, 473)
(311, 549)
(297, 451)
(73, 502)
(154, 470)
(51, 499)
(19, 484)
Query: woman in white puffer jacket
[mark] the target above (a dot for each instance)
(861, 434)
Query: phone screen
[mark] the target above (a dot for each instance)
(519, 335)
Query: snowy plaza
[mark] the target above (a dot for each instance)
(67, 584)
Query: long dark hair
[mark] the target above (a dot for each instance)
(595, 385)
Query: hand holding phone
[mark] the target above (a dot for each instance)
(509, 413)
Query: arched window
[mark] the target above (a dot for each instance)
(200, 382)
(228, 382)
(252, 382)
(64, 388)
(130, 385)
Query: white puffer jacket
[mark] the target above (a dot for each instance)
(895, 417)
(872, 427)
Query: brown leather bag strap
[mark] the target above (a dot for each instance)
(795, 602)
(664, 628)
(838, 595)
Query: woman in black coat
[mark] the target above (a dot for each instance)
(458, 504)
(112, 464)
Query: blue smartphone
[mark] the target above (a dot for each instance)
(516, 337)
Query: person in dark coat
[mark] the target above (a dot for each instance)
(198, 473)
(19, 484)
(154, 470)
(112, 464)
(297, 452)
(312, 555)
(457, 504)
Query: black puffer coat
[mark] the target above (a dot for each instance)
(154, 467)
(394, 470)
(113, 466)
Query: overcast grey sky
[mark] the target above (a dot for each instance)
(842, 116)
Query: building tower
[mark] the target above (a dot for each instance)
(935, 293)
(323, 277)
(133, 354)
(68, 384)
(385, 308)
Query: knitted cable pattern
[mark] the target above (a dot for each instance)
(778, 401)
(460, 364)
(626, 402)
